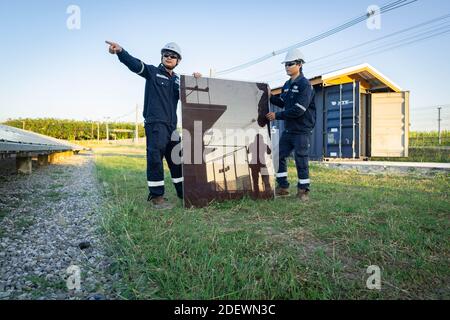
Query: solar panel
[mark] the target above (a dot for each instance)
(17, 140)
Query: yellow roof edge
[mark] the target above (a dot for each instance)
(324, 79)
(360, 68)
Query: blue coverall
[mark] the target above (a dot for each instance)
(162, 92)
(299, 114)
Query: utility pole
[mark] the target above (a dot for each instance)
(92, 131)
(98, 131)
(23, 125)
(107, 129)
(136, 132)
(439, 125)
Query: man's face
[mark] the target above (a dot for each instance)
(170, 59)
(292, 68)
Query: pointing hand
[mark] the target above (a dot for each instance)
(114, 48)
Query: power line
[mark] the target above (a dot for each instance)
(386, 8)
(383, 38)
(384, 49)
(436, 106)
(420, 25)
(389, 46)
(133, 111)
(396, 46)
(422, 113)
(365, 16)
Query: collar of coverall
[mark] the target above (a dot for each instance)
(300, 76)
(163, 68)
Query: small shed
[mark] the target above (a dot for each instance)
(360, 114)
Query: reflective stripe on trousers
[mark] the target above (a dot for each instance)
(299, 143)
(159, 146)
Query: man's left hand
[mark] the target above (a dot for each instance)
(270, 116)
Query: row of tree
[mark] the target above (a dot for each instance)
(77, 130)
(90, 130)
(429, 139)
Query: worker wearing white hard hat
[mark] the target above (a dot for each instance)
(172, 47)
(160, 114)
(299, 115)
(294, 55)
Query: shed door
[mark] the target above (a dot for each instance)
(390, 124)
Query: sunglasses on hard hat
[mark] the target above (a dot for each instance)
(170, 55)
(290, 64)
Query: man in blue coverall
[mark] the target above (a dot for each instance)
(299, 114)
(162, 90)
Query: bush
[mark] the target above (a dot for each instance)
(429, 139)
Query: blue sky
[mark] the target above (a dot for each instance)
(48, 70)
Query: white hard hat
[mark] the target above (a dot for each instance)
(172, 46)
(294, 55)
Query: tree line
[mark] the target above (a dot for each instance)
(91, 130)
(429, 139)
(76, 130)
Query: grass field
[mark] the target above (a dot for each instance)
(280, 249)
(422, 154)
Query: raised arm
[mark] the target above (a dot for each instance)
(134, 64)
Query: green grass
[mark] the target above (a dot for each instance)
(2, 214)
(422, 154)
(53, 195)
(24, 222)
(40, 285)
(281, 249)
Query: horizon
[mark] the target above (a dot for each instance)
(53, 71)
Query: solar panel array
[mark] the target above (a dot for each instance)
(14, 140)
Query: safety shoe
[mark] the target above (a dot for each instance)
(282, 192)
(303, 195)
(159, 203)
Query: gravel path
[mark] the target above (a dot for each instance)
(43, 219)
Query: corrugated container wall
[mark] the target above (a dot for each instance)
(356, 119)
